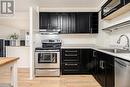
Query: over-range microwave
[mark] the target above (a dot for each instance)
(110, 6)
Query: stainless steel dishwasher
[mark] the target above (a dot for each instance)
(122, 73)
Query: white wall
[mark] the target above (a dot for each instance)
(14, 24)
(20, 20)
(110, 38)
(6, 31)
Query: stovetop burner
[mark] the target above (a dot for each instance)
(50, 44)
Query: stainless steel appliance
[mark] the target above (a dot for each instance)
(111, 6)
(47, 58)
(122, 71)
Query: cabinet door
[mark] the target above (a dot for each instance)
(101, 69)
(68, 23)
(65, 28)
(110, 76)
(94, 22)
(71, 55)
(85, 61)
(71, 23)
(94, 64)
(83, 23)
(53, 20)
(43, 20)
(70, 68)
(110, 71)
(49, 20)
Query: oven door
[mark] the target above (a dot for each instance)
(47, 59)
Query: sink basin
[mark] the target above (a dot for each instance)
(116, 50)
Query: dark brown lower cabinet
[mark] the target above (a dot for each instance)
(88, 61)
(76, 61)
(110, 71)
(70, 61)
(103, 71)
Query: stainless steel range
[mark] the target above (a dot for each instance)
(47, 58)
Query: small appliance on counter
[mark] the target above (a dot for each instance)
(27, 39)
(7, 43)
(2, 48)
(47, 58)
(22, 42)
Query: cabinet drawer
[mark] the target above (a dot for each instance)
(71, 66)
(70, 55)
(71, 59)
(73, 51)
(47, 72)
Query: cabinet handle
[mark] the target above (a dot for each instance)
(71, 64)
(51, 70)
(71, 55)
(102, 64)
(94, 53)
(91, 30)
(71, 51)
(89, 23)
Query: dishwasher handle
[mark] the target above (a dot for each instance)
(122, 63)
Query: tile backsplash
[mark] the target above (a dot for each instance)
(68, 38)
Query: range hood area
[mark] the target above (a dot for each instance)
(49, 30)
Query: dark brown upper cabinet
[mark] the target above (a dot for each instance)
(49, 20)
(83, 22)
(69, 22)
(87, 22)
(111, 6)
(93, 22)
(43, 20)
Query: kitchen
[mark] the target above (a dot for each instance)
(77, 43)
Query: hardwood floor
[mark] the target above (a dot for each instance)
(62, 81)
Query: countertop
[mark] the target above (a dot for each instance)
(6, 60)
(17, 46)
(125, 56)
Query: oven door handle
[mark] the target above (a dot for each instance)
(51, 70)
(47, 51)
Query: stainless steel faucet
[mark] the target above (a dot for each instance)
(127, 46)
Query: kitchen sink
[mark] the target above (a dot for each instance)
(116, 50)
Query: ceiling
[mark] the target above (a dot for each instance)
(69, 3)
(22, 5)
